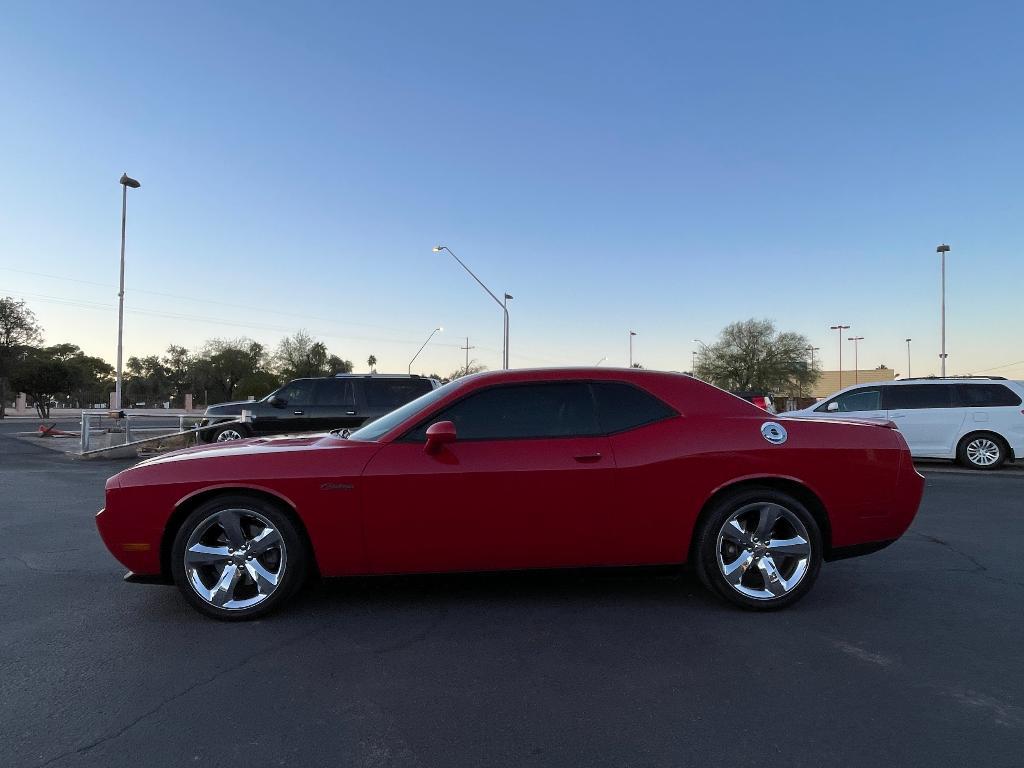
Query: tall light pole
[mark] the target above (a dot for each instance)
(600, 361)
(840, 328)
(908, 357)
(126, 181)
(439, 329)
(504, 308)
(631, 335)
(499, 302)
(942, 250)
(856, 364)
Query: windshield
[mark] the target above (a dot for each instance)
(389, 421)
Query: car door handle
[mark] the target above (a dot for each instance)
(298, 413)
(350, 413)
(588, 458)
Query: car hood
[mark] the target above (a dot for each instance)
(258, 446)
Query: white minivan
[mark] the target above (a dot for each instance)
(976, 420)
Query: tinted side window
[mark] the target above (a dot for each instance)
(855, 400)
(520, 411)
(914, 396)
(391, 393)
(622, 406)
(298, 392)
(336, 392)
(987, 395)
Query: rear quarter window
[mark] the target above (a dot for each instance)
(987, 396)
(622, 406)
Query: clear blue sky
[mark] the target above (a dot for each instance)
(663, 167)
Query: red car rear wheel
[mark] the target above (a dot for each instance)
(759, 549)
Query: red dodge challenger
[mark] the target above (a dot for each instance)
(520, 469)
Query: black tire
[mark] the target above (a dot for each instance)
(226, 433)
(978, 448)
(288, 561)
(710, 542)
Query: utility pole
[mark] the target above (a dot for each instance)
(908, 357)
(467, 348)
(631, 335)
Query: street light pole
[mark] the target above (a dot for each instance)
(631, 335)
(840, 328)
(942, 250)
(499, 302)
(436, 330)
(908, 358)
(126, 181)
(504, 308)
(856, 364)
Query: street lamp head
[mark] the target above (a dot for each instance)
(855, 338)
(909, 340)
(839, 327)
(942, 249)
(632, 333)
(509, 296)
(438, 248)
(439, 329)
(128, 181)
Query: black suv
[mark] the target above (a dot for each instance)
(347, 400)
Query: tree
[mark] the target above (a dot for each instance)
(224, 363)
(18, 331)
(148, 380)
(752, 356)
(371, 361)
(45, 374)
(301, 356)
(257, 385)
(336, 365)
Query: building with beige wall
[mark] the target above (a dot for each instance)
(828, 383)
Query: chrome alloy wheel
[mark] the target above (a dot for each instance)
(982, 452)
(763, 550)
(228, 434)
(235, 559)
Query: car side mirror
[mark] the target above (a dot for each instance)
(439, 434)
(832, 407)
(277, 402)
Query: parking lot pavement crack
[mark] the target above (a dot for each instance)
(86, 748)
(416, 637)
(943, 543)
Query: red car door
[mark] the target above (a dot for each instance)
(528, 483)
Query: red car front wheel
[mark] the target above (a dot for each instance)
(237, 557)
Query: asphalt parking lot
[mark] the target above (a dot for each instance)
(911, 656)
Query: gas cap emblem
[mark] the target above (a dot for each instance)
(773, 432)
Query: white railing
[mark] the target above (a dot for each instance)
(91, 417)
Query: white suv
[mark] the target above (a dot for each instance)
(977, 420)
